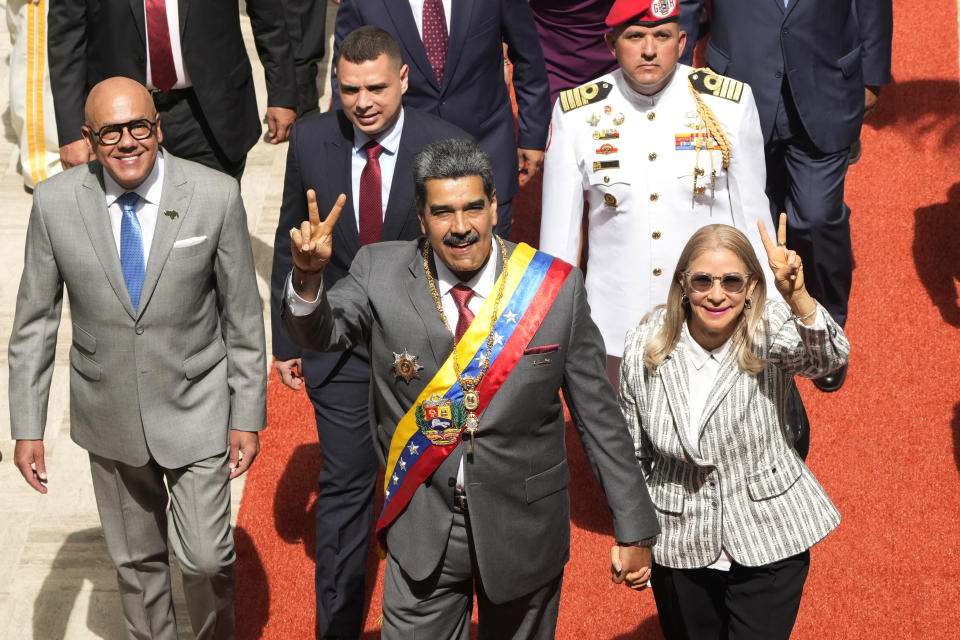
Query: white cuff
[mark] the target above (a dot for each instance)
(297, 305)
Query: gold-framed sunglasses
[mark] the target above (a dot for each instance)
(729, 282)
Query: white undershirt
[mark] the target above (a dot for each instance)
(149, 192)
(173, 26)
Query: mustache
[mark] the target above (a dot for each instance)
(452, 239)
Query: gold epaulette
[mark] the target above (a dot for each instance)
(706, 81)
(584, 95)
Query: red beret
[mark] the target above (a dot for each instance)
(646, 13)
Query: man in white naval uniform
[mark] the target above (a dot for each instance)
(629, 141)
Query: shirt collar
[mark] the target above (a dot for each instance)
(482, 283)
(148, 190)
(642, 100)
(390, 141)
(697, 355)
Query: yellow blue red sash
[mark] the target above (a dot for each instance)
(533, 281)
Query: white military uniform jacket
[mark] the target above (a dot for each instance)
(642, 208)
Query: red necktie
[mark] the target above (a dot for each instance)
(461, 296)
(435, 36)
(371, 195)
(162, 72)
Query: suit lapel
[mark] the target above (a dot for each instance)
(728, 374)
(175, 196)
(460, 22)
(409, 37)
(673, 373)
(789, 8)
(342, 147)
(440, 339)
(137, 9)
(92, 203)
(184, 7)
(396, 214)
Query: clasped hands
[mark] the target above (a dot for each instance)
(630, 565)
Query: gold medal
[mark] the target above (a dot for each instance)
(471, 400)
(406, 365)
(618, 119)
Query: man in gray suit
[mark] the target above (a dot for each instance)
(168, 372)
(470, 341)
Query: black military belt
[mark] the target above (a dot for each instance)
(165, 99)
(460, 501)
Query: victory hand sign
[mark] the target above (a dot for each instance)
(787, 270)
(312, 246)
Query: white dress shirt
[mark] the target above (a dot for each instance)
(149, 192)
(482, 284)
(390, 141)
(173, 26)
(703, 365)
(417, 7)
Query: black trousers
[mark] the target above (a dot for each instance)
(745, 603)
(347, 479)
(307, 26)
(186, 133)
(808, 184)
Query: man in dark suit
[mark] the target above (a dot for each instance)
(816, 68)
(455, 53)
(191, 55)
(328, 154)
(470, 341)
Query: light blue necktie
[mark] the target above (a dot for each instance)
(131, 247)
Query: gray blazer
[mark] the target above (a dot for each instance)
(517, 480)
(744, 489)
(167, 381)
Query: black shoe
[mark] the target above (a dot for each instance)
(832, 381)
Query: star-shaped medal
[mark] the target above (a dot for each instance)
(406, 365)
(593, 119)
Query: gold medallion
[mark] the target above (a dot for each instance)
(618, 119)
(471, 400)
(609, 199)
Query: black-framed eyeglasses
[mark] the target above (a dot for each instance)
(110, 134)
(729, 282)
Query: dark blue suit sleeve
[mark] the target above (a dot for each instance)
(529, 73)
(292, 212)
(690, 22)
(875, 19)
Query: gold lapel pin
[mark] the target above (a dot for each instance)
(170, 213)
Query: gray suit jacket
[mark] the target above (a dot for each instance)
(516, 482)
(742, 487)
(167, 381)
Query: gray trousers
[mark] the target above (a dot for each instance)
(132, 502)
(439, 608)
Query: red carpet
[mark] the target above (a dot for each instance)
(886, 447)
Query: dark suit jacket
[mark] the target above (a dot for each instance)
(473, 95)
(516, 482)
(319, 158)
(828, 49)
(91, 40)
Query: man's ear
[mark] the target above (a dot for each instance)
(88, 137)
(493, 209)
(423, 224)
(159, 132)
(609, 38)
(682, 43)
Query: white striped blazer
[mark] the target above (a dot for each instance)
(744, 489)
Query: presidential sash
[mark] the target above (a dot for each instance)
(431, 429)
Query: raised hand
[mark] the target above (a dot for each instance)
(788, 272)
(785, 263)
(312, 244)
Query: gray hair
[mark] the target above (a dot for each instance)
(451, 158)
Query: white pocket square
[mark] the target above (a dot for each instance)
(188, 242)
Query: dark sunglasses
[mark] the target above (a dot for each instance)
(729, 282)
(139, 129)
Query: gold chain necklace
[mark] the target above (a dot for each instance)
(471, 397)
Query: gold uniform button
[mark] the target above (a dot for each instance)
(654, 197)
(652, 156)
(656, 235)
(657, 271)
(651, 115)
(606, 178)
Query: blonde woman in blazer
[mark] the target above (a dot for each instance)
(704, 386)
